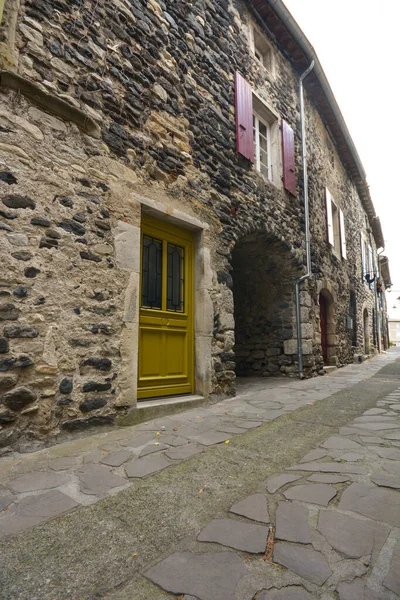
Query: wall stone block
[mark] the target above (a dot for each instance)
(20, 331)
(18, 398)
(8, 312)
(16, 201)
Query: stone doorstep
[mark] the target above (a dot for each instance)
(160, 407)
(328, 369)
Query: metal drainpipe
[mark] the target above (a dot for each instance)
(306, 223)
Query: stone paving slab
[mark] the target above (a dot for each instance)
(204, 576)
(390, 453)
(152, 448)
(33, 510)
(63, 464)
(327, 467)
(351, 536)
(97, 480)
(138, 440)
(340, 443)
(116, 459)
(141, 467)
(275, 483)
(352, 591)
(93, 457)
(211, 438)
(350, 457)
(183, 452)
(375, 503)
(5, 500)
(306, 562)
(253, 507)
(392, 579)
(326, 478)
(236, 534)
(32, 482)
(392, 467)
(386, 481)
(317, 493)
(292, 523)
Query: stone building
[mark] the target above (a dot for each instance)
(152, 209)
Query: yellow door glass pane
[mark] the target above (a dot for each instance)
(175, 278)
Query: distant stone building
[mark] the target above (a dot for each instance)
(394, 331)
(152, 214)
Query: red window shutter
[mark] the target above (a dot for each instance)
(289, 173)
(244, 117)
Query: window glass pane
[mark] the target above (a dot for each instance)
(258, 55)
(175, 278)
(151, 272)
(263, 129)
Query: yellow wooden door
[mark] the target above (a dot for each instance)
(166, 346)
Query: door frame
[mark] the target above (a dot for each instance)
(128, 248)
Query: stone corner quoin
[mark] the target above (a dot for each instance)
(117, 122)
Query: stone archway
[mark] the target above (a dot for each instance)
(264, 273)
(327, 321)
(367, 341)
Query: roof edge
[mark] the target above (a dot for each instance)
(307, 49)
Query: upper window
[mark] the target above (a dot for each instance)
(261, 49)
(335, 226)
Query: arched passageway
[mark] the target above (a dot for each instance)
(264, 273)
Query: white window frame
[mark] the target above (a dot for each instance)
(257, 152)
(269, 117)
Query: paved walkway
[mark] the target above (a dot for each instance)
(326, 527)
(39, 486)
(332, 520)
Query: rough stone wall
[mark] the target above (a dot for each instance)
(157, 78)
(327, 170)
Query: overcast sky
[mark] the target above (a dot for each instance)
(357, 44)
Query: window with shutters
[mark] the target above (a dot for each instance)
(266, 142)
(258, 137)
(335, 227)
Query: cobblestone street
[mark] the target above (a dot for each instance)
(324, 523)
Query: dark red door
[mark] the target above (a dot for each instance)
(324, 341)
